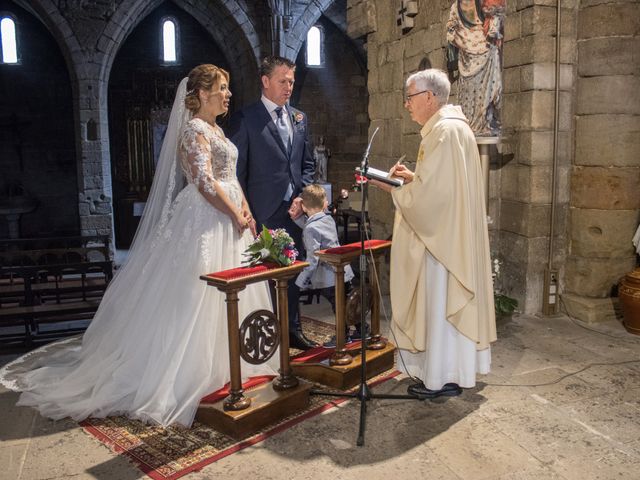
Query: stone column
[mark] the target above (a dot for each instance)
(605, 174)
(526, 164)
(94, 166)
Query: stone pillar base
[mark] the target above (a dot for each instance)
(591, 310)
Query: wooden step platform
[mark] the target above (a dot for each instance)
(268, 405)
(343, 377)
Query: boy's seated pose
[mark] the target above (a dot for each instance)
(319, 232)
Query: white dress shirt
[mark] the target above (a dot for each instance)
(271, 108)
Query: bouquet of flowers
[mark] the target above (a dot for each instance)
(271, 246)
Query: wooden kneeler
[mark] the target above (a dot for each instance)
(242, 413)
(342, 370)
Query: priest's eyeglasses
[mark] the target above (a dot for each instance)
(407, 98)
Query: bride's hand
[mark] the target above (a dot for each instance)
(252, 222)
(241, 222)
(246, 212)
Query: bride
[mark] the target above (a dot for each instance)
(158, 342)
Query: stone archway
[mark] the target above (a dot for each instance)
(236, 35)
(39, 162)
(141, 93)
(91, 68)
(48, 13)
(298, 33)
(334, 97)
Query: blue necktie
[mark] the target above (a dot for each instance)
(284, 135)
(282, 129)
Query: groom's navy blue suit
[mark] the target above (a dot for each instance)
(265, 169)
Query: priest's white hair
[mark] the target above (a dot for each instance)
(434, 80)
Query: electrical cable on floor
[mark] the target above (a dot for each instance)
(558, 380)
(575, 321)
(553, 382)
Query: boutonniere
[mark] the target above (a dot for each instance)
(297, 117)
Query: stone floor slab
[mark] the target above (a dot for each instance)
(581, 424)
(605, 465)
(16, 423)
(609, 416)
(474, 449)
(550, 434)
(12, 458)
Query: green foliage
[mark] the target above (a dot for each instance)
(504, 305)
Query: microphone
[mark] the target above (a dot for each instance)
(365, 158)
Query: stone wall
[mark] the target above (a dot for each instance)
(605, 174)
(597, 194)
(89, 36)
(520, 177)
(334, 98)
(37, 142)
(526, 165)
(391, 56)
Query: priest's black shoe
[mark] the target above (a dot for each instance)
(421, 391)
(299, 341)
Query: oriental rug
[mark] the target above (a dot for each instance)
(170, 453)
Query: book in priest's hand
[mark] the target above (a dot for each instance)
(381, 175)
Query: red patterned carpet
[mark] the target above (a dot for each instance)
(170, 453)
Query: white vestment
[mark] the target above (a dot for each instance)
(450, 356)
(441, 286)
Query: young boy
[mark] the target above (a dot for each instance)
(319, 232)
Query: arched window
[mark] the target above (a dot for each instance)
(315, 57)
(9, 43)
(169, 36)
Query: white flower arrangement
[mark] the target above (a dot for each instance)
(504, 305)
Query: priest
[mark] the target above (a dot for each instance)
(441, 285)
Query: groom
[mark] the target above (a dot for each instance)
(275, 163)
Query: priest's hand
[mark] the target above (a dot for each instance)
(381, 185)
(399, 170)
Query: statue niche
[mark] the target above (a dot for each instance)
(321, 155)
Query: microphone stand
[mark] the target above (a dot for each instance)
(363, 393)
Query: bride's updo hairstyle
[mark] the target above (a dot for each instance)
(202, 77)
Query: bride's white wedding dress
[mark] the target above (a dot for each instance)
(158, 342)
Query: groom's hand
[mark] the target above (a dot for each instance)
(295, 210)
(252, 226)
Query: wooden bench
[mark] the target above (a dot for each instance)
(39, 294)
(54, 250)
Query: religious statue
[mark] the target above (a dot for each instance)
(321, 156)
(475, 31)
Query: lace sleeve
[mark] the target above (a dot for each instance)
(196, 151)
